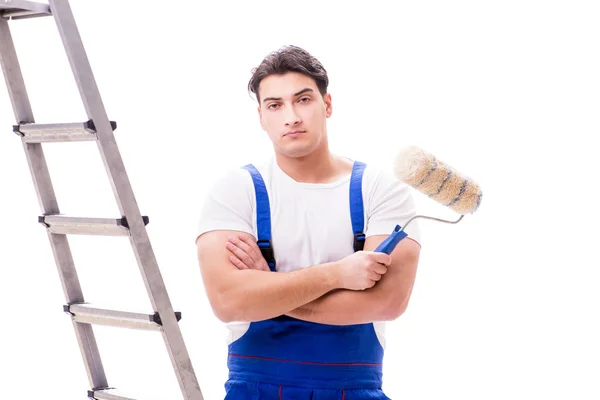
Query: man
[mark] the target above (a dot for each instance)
(286, 251)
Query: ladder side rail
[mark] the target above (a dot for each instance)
(125, 198)
(48, 203)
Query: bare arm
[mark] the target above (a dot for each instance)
(252, 295)
(387, 300)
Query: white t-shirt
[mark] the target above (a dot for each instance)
(310, 223)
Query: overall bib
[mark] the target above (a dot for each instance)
(284, 358)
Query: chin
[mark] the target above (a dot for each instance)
(300, 147)
(297, 151)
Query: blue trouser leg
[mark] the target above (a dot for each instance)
(241, 390)
(288, 359)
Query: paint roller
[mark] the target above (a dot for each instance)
(437, 180)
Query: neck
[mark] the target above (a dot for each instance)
(320, 166)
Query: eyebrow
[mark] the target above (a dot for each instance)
(305, 90)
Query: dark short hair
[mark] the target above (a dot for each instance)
(289, 59)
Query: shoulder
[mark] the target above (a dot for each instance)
(239, 178)
(375, 172)
(379, 179)
(228, 185)
(235, 185)
(229, 202)
(388, 201)
(233, 176)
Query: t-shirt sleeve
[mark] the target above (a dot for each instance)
(228, 205)
(390, 203)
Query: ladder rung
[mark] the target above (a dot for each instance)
(107, 394)
(71, 132)
(87, 314)
(87, 226)
(19, 9)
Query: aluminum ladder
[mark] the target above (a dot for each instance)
(131, 223)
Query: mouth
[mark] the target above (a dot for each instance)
(294, 133)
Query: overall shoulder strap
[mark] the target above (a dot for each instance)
(356, 205)
(263, 216)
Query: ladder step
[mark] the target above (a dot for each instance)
(107, 394)
(62, 225)
(19, 9)
(88, 314)
(71, 132)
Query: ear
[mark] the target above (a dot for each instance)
(262, 124)
(328, 105)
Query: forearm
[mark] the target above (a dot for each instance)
(344, 307)
(252, 295)
(385, 301)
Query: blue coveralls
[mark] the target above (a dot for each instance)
(284, 358)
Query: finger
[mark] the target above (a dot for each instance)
(249, 246)
(237, 263)
(257, 256)
(239, 242)
(382, 258)
(241, 254)
(379, 268)
(374, 276)
(264, 266)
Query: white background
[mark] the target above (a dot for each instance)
(506, 302)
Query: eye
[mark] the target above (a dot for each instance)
(272, 106)
(304, 100)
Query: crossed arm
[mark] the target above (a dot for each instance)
(385, 301)
(239, 293)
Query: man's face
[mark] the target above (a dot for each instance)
(293, 113)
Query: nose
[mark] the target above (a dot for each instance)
(291, 117)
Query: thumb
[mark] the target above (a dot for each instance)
(382, 258)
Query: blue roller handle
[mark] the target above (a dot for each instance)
(390, 243)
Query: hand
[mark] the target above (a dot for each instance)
(246, 254)
(363, 269)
